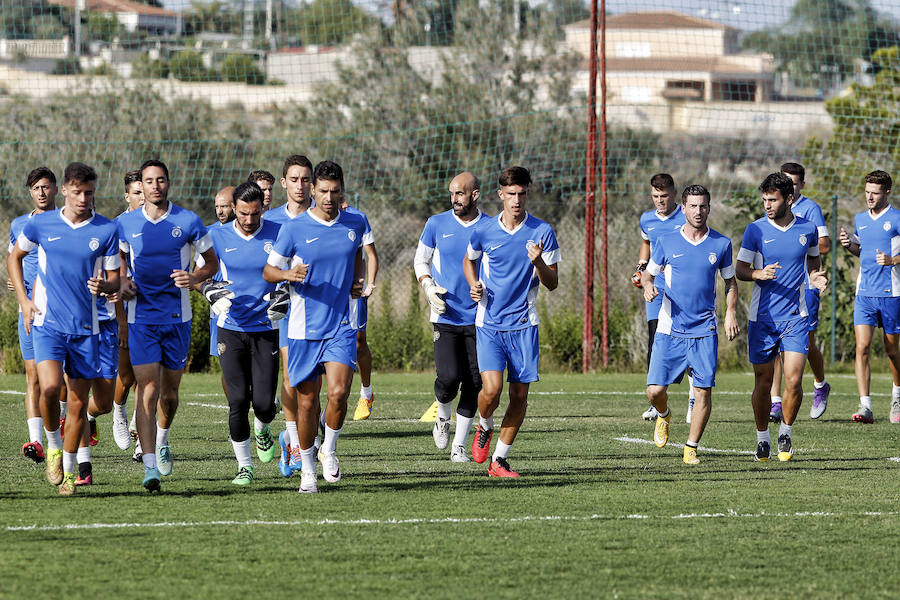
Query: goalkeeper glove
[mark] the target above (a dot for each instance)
(217, 295)
(434, 292)
(636, 278)
(279, 301)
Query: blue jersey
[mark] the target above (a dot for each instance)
(199, 261)
(510, 280)
(280, 215)
(689, 271)
(764, 243)
(30, 262)
(873, 233)
(68, 255)
(809, 210)
(358, 312)
(319, 305)
(654, 226)
(242, 259)
(155, 249)
(441, 250)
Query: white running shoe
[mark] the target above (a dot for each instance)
(164, 460)
(308, 483)
(441, 433)
(331, 470)
(138, 452)
(650, 414)
(120, 431)
(458, 454)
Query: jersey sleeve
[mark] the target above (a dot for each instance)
(368, 238)
(425, 251)
(551, 254)
(644, 235)
(28, 239)
(111, 259)
(855, 237)
(12, 238)
(199, 236)
(657, 258)
(750, 245)
(282, 249)
(818, 219)
(473, 250)
(726, 262)
(813, 241)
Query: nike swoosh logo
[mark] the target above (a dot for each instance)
(134, 235)
(861, 227)
(492, 248)
(230, 249)
(651, 228)
(446, 235)
(53, 239)
(768, 241)
(312, 240)
(274, 353)
(677, 255)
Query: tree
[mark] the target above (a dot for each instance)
(327, 22)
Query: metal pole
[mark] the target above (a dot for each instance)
(79, 6)
(604, 241)
(587, 340)
(833, 282)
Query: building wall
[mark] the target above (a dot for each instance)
(655, 43)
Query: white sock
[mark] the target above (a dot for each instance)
(895, 391)
(133, 423)
(691, 387)
(149, 460)
(665, 414)
(329, 446)
(486, 424)
(84, 454)
(365, 392)
(818, 384)
(162, 436)
(291, 427)
(121, 410)
(317, 443)
(63, 409)
(242, 453)
(776, 399)
(866, 402)
(501, 450)
(258, 425)
(308, 460)
(322, 418)
(763, 436)
(463, 425)
(68, 462)
(54, 439)
(91, 417)
(35, 425)
(784, 429)
(444, 411)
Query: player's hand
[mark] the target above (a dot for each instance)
(650, 292)
(127, 289)
(182, 278)
(279, 302)
(95, 283)
(123, 337)
(638, 274)
(112, 297)
(732, 329)
(434, 293)
(218, 295)
(844, 238)
(29, 309)
(9, 285)
(368, 291)
(767, 273)
(297, 273)
(818, 280)
(476, 291)
(883, 259)
(535, 251)
(357, 288)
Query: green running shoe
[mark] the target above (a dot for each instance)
(265, 445)
(244, 476)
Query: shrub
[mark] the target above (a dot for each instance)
(187, 65)
(198, 354)
(242, 68)
(144, 67)
(400, 343)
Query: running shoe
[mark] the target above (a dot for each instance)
(775, 413)
(296, 463)
(690, 411)
(308, 482)
(284, 461)
(138, 453)
(120, 430)
(690, 456)
(441, 433)
(331, 469)
(363, 409)
(265, 445)
(95, 437)
(863, 415)
(481, 444)
(785, 450)
(34, 451)
(762, 452)
(62, 427)
(244, 476)
(458, 454)
(661, 431)
(650, 414)
(895, 410)
(164, 460)
(500, 468)
(54, 468)
(820, 401)
(85, 474)
(151, 479)
(67, 486)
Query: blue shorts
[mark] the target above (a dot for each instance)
(516, 351)
(109, 349)
(765, 339)
(26, 343)
(166, 344)
(653, 307)
(307, 358)
(672, 355)
(359, 313)
(283, 333)
(80, 354)
(812, 305)
(213, 338)
(878, 312)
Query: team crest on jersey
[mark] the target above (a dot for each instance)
(268, 247)
(176, 232)
(352, 235)
(802, 240)
(711, 258)
(887, 226)
(94, 243)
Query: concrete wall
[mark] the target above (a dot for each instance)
(655, 43)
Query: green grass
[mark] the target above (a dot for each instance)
(591, 515)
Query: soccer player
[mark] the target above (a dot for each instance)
(320, 255)
(778, 253)
(247, 342)
(157, 242)
(876, 241)
(438, 266)
(224, 202)
(518, 252)
(266, 182)
(79, 260)
(41, 185)
(809, 210)
(686, 335)
(663, 219)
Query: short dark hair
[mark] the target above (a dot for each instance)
(330, 171)
(40, 173)
(132, 177)
(515, 176)
(778, 182)
(882, 178)
(153, 162)
(248, 192)
(80, 173)
(261, 175)
(694, 190)
(662, 181)
(295, 160)
(792, 168)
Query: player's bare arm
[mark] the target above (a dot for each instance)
(732, 329)
(359, 270)
(470, 270)
(183, 279)
(104, 283)
(745, 272)
(643, 259)
(647, 283)
(296, 274)
(371, 269)
(17, 277)
(816, 275)
(848, 243)
(547, 274)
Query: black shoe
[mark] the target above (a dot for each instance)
(762, 451)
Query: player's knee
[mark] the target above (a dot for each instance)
(445, 387)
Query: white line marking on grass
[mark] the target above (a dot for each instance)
(204, 405)
(894, 459)
(12, 392)
(632, 440)
(730, 514)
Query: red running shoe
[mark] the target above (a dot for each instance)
(85, 474)
(34, 451)
(62, 427)
(500, 468)
(95, 437)
(481, 444)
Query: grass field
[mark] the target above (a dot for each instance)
(598, 511)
